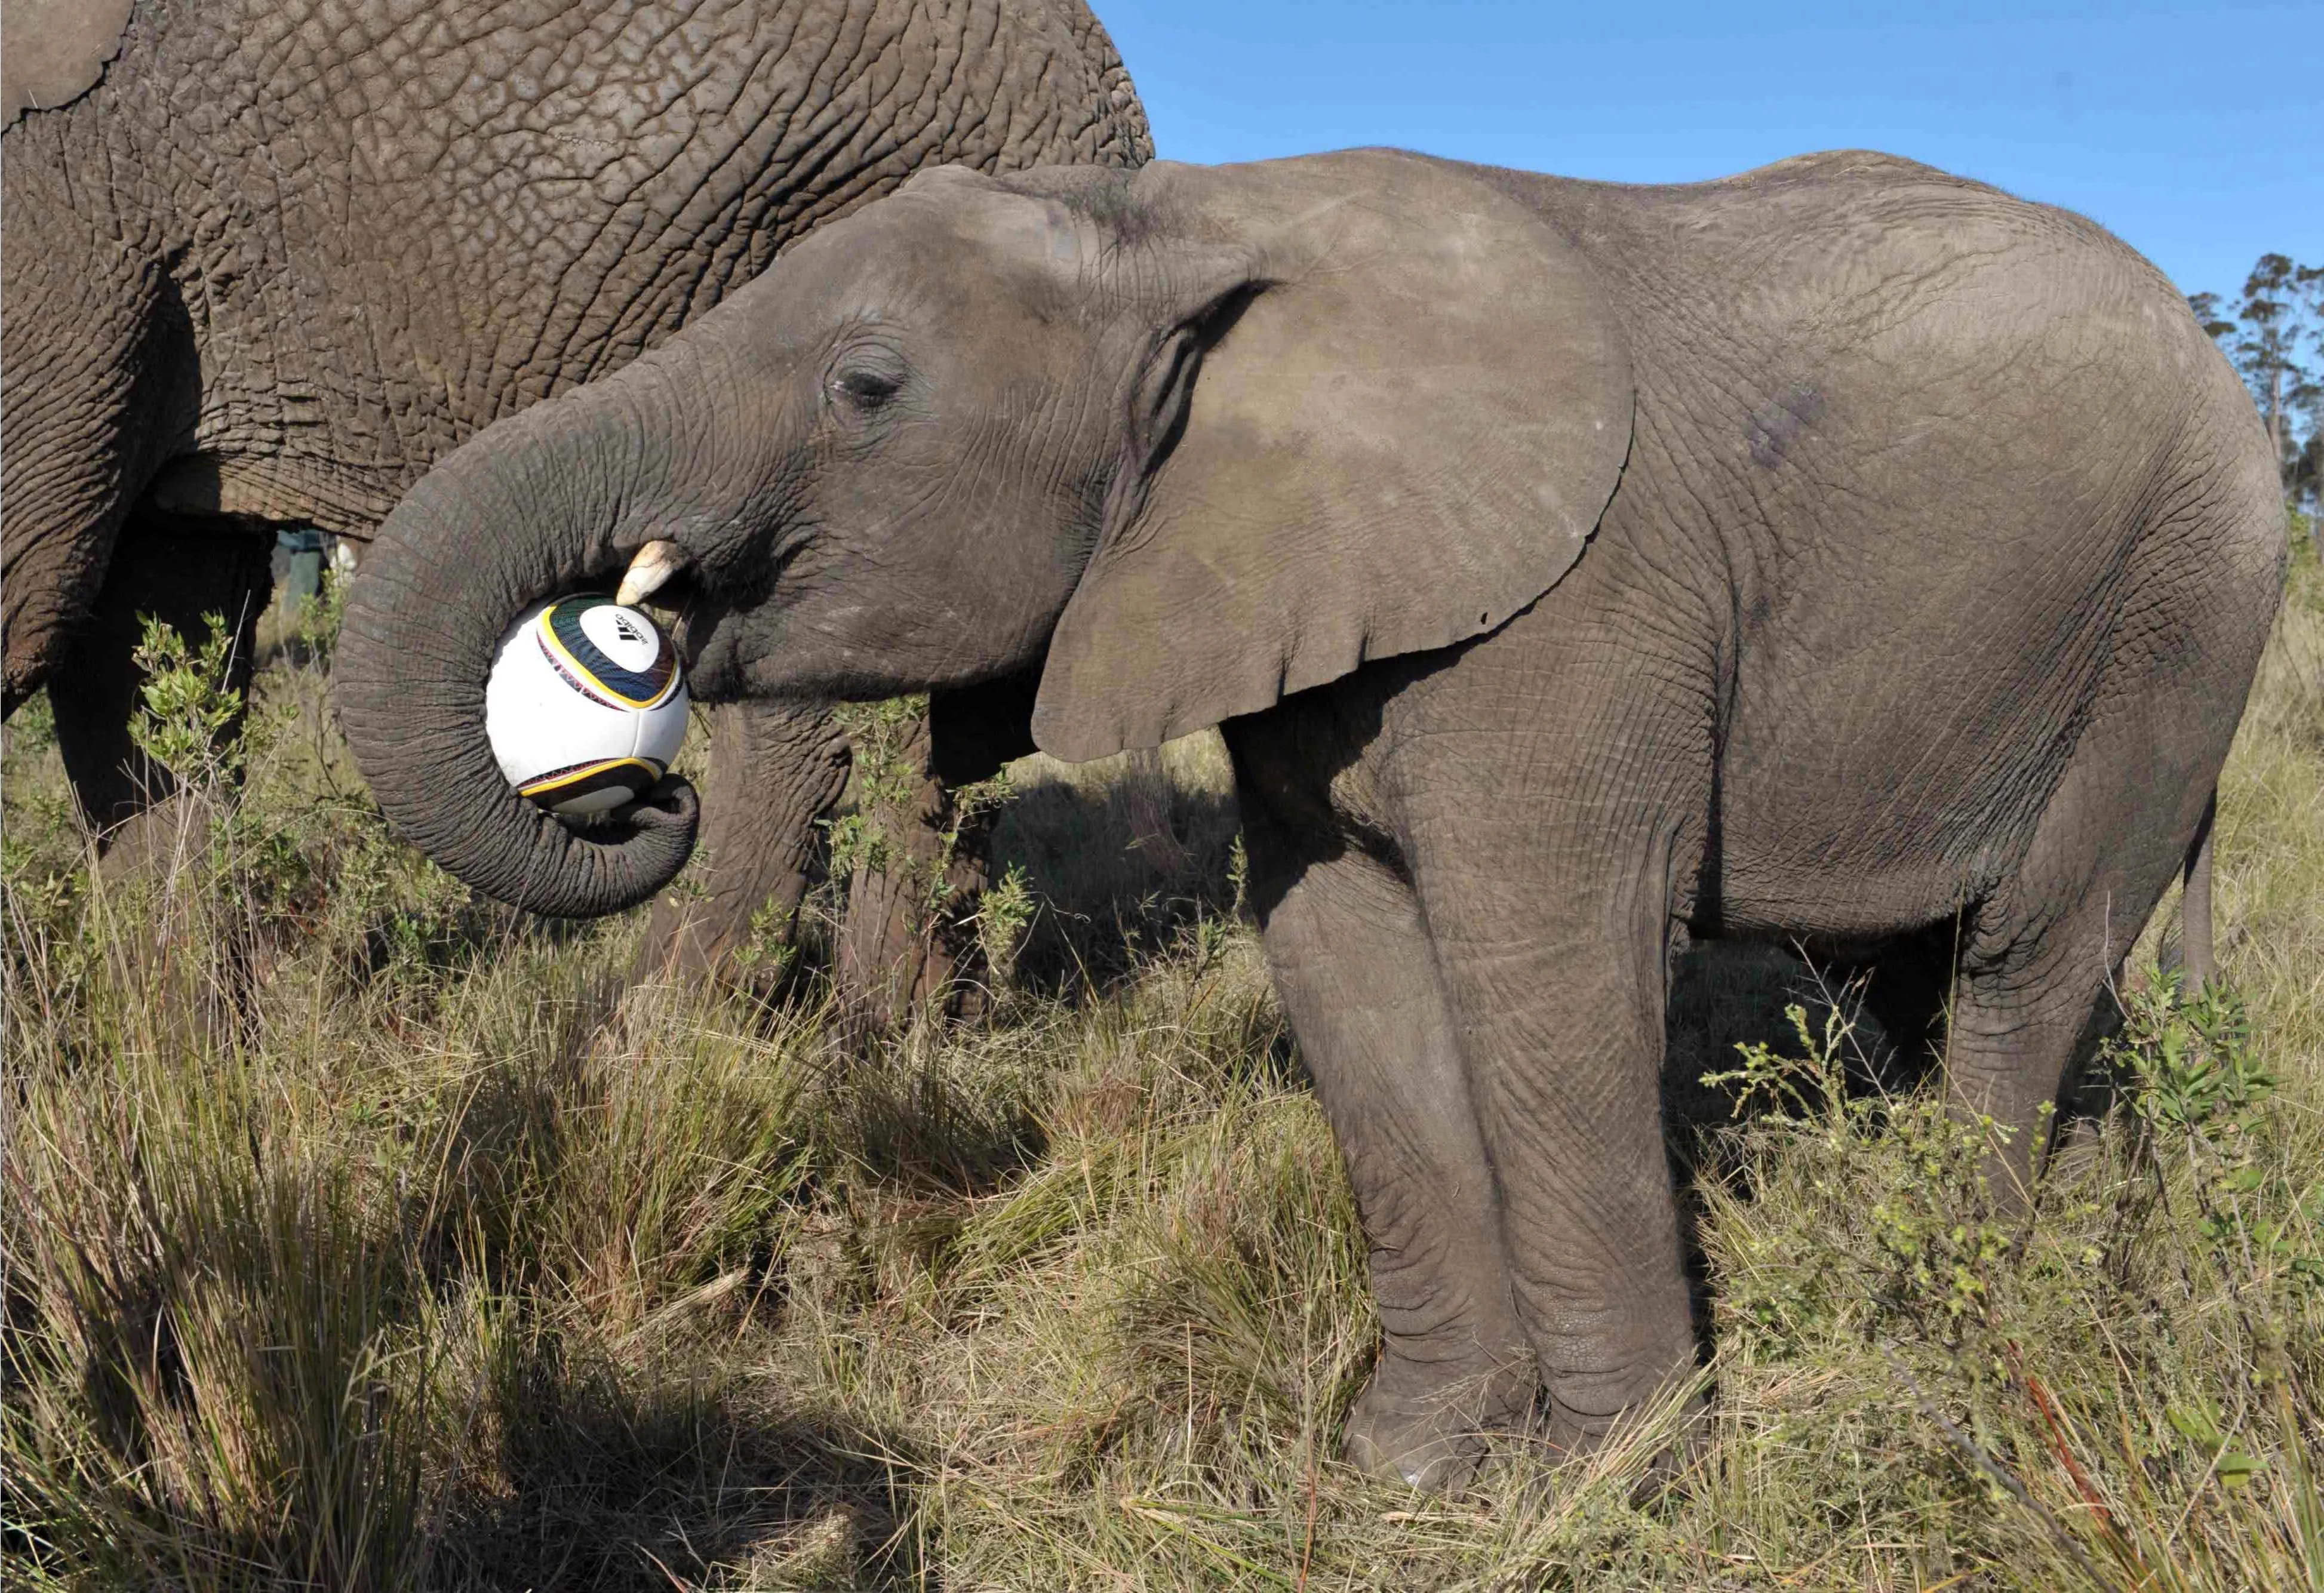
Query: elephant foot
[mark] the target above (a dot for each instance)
(1436, 1440)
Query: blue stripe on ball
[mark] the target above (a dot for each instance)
(561, 627)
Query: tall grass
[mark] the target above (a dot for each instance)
(360, 1234)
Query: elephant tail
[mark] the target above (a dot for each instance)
(2195, 904)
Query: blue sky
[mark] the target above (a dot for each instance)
(2194, 132)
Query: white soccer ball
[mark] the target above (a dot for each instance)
(584, 707)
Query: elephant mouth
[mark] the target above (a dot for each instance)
(717, 644)
(708, 637)
(703, 652)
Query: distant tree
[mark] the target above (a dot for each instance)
(2307, 477)
(2308, 465)
(2267, 347)
(2273, 335)
(2206, 309)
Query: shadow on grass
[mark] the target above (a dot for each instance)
(1121, 870)
(451, 939)
(1728, 993)
(1724, 994)
(597, 1486)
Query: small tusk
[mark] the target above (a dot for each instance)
(654, 565)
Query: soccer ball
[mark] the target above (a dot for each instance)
(584, 707)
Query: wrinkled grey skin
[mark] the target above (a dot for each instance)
(265, 260)
(1840, 551)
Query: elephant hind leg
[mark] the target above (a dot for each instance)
(181, 572)
(776, 769)
(1352, 962)
(2041, 959)
(2024, 1023)
(2133, 807)
(899, 948)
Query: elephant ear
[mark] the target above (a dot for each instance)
(1385, 417)
(56, 50)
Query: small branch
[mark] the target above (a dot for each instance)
(1993, 1470)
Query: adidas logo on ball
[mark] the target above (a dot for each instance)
(584, 707)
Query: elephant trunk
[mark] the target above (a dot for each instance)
(533, 507)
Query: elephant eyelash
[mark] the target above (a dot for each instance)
(866, 388)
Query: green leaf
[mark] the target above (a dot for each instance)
(2234, 1467)
(2198, 1425)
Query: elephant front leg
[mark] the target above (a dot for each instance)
(775, 770)
(1352, 964)
(919, 863)
(1556, 975)
(182, 573)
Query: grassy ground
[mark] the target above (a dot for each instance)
(359, 1235)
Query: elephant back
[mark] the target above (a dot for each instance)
(389, 225)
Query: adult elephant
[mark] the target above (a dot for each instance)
(265, 260)
(1842, 550)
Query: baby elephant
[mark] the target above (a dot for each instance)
(1842, 551)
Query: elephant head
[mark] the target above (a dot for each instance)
(1173, 444)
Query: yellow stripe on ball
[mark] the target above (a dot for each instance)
(564, 777)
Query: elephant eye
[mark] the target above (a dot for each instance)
(866, 388)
